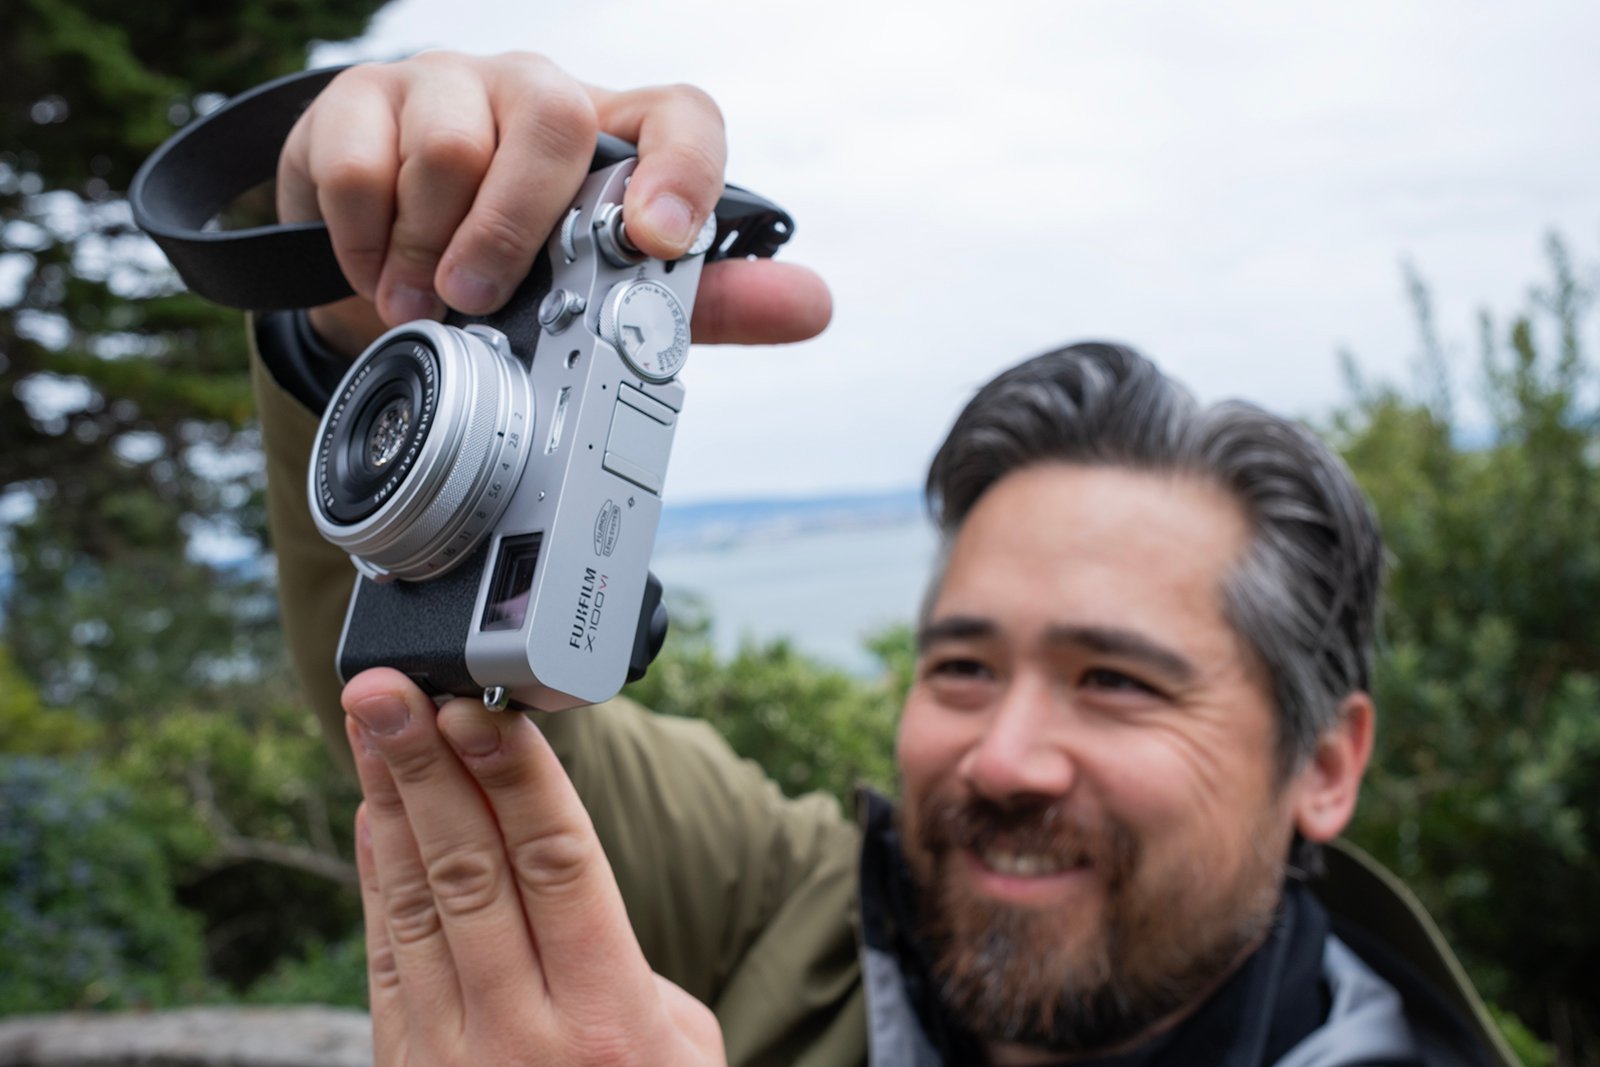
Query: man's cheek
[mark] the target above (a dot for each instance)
(930, 745)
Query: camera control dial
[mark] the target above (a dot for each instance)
(558, 308)
(611, 235)
(646, 323)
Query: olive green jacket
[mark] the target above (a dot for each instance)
(746, 899)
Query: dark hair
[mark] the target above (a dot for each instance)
(1303, 597)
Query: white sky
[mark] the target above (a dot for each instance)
(1229, 186)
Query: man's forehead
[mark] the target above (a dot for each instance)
(1114, 512)
(1071, 546)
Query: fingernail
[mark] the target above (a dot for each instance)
(473, 735)
(469, 291)
(406, 303)
(382, 715)
(671, 220)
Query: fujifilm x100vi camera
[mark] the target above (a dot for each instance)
(498, 481)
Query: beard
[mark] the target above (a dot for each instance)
(1034, 977)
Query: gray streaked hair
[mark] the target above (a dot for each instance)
(1303, 597)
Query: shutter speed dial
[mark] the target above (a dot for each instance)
(646, 323)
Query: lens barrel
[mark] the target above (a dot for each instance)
(421, 449)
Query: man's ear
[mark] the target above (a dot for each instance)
(1326, 788)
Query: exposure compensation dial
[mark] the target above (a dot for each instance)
(647, 324)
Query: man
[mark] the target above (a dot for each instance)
(1139, 712)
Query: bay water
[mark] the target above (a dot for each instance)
(824, 589)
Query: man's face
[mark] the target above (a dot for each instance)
(1086, 754)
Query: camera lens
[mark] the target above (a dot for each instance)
(421, 448)
(374, 429)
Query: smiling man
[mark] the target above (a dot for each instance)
(1090, 802)
(1101, 797)
(1139, 716)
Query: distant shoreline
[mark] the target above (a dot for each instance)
(725, 523)
(823, 579)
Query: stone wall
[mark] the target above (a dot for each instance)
(193, 1037)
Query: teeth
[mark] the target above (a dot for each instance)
(1023, 865)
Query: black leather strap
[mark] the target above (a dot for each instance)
(206, 166)
(200, 170)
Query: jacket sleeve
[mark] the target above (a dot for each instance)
(741, 896)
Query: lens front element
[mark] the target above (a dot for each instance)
(388, 434)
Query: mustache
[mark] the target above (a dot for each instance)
(1049, 828)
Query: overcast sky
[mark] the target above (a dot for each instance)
(1229, 186)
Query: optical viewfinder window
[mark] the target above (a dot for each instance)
(513, 583)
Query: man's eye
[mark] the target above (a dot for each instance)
(957, 667)
(1106, 679)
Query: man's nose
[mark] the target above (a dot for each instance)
(1023, 751)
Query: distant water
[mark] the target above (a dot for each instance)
(824, 589)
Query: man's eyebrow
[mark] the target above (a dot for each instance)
(954, 628)
(1126, 644)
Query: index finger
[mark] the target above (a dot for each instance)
(759, 302)
(586, 946)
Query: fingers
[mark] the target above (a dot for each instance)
(386, 1002)
(447, 139)
(337, 165)
(452, 918)
(682, 151)
(586, 944)
(478, 839)
(546, 131)
(759, 302)
(495, 928)
(442, 177)
(587, 949)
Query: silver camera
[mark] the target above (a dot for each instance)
(498, 480)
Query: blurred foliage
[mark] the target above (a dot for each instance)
(127, 462)
(1529, 1050)
(812, 727)
(1485, 787)
(28, 727)
(167, 817)
(87, 915)
(185, 863)
(334, 974)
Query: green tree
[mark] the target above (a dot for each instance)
(88, 917)
(1486, 784)
(31, 728)
(138, 631)
(811, 727)
(125, 448)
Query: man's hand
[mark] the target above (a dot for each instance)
(495, 931)
(442, 176)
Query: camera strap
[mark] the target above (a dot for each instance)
(197, 173)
